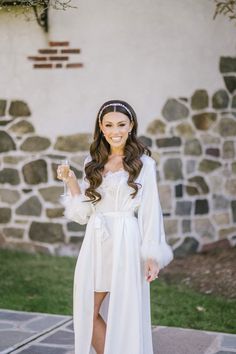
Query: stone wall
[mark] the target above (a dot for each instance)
(31, 217)
(193, 142)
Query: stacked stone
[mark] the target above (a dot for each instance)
(194, 145)
(31, 216)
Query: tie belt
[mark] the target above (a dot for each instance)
(100, 220)
(102, 233)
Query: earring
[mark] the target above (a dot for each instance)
(129, 133)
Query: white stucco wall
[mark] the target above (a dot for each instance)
(140, 51)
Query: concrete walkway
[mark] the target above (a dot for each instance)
(40, 333)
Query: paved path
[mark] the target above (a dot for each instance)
(40, 333)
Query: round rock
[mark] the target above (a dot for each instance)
(19, 109)
(9, 175)
(22, 127)
(174, 110)
(31, 206)
(6, 142)
(35, 143)
(204, 121)
(199, 100)
(74, 143)
(46, 232)
(220, 99)
(35, 172)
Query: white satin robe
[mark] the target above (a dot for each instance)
(126, 309)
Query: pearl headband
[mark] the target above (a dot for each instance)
(115, 104)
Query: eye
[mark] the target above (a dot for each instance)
(120, 125)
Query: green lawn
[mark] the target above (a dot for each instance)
(43, 283)
(37, 283)
(177, 305)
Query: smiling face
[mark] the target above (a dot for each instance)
(116, 127)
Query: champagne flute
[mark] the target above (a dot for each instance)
(66, 164)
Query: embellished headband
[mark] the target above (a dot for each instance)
(115, 104)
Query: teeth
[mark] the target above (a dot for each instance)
(116, 139)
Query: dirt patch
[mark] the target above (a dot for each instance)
(211, 272)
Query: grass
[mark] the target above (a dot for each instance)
(179, 306)
(42, 283)
(39, 283)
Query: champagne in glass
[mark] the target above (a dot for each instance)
(66, 165)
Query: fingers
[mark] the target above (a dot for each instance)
(63, 172)
(151, 272)
(151, 276)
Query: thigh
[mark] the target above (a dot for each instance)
(98, 299)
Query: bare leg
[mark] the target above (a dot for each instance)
(99, 326)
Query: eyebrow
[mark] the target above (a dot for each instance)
(122, 121)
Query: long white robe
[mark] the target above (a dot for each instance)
(126, 309)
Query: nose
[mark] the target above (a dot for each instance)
(116, 129)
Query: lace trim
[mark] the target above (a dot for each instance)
(114, 172)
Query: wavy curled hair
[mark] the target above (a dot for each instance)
(100, 150)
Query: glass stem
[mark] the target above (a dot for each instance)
(65, 188)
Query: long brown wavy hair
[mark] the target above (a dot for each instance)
(100, 150)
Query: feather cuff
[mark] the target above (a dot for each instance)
(160, 252)
(76, 209)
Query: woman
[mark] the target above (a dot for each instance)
(124, 245)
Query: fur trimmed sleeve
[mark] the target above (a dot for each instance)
(150, 219)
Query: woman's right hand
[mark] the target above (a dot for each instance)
(65, 174)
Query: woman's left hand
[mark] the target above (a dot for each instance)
(151, 270)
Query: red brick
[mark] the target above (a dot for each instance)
(59, 44)
(35, 58)
(58, 58)
(47, 51)
(42, 66)
(74, 65)
(70, 51)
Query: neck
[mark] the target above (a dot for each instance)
(117, 152)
